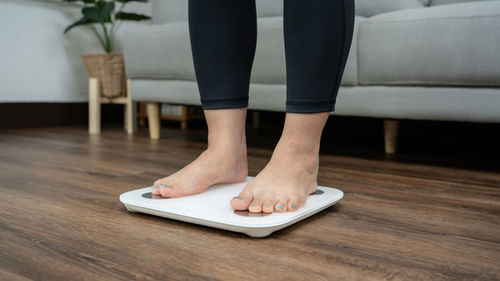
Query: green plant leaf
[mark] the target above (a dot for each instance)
(106, 10)
(99, 13)
(82, 21)
(91, 13)
(131, 16)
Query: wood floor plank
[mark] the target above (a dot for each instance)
(60, 217)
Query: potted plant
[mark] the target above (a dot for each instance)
(102, 17)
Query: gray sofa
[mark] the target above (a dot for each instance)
(410, 59)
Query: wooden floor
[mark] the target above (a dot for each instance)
(413, 216)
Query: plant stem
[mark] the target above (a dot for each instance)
(101, 40)
(108, 48)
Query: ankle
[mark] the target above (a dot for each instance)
(225, 147)
(299, 146)
(295, 152)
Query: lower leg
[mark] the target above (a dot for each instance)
(223, 35)
(226, 129)
(224, 160)
(318, 35)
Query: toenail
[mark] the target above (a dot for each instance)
(293, 206)
(253, 205)
(267, 206)
(239, 198)
(155, 186)
(166, 186)
(281, 207)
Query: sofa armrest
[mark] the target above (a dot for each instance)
(146, 56)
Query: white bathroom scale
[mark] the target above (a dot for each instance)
(211, 208)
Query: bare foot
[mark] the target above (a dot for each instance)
(291, 174)
(224, 161)
(284, 184)
(211, 167)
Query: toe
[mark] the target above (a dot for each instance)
(167, 190)
(242, 201)
(155, 189)
(256, 205)
(294, 203)
(281, 206)
(268, 206)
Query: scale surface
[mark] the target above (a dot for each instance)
(211, 208)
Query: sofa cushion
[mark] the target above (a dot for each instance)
(368, 8)
(441, 45)
(159, 52)
(269, 8)
(165, 11)
(164, 52)
(365, 8)
(444, 2)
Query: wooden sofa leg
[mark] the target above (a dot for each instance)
(131, 117)
(153, 110)
(255, 120)
(94, 106)
(391, 128)
(130, 112)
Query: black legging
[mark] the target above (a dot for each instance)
(318, 35)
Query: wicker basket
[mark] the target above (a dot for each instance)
(110, 70)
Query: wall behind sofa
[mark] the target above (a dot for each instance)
(38, 62)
